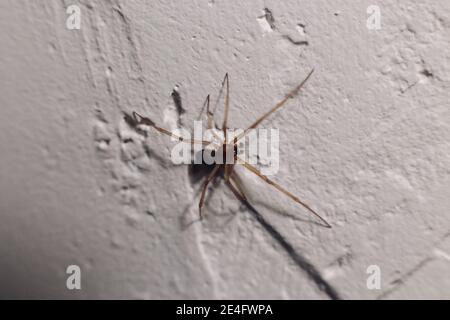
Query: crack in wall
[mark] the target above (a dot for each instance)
(269, 18)
(267, 23)
(296, 42)
(176, 97)
(397, 283)
(400, 281)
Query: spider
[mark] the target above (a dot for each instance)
(226, 170)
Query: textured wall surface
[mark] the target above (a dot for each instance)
(366, 144)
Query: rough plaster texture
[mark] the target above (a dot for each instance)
(366, 144)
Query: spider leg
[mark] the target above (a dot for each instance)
(211, 121)
(227, 171)
(235, 182)
(225, 84)
(278, 187)
(211, 124)
(210, 115)
(230, 167)
(236, 192)
(208, 179)
(291, 94)
(144, 120)
(227, 106)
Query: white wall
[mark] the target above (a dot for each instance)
(366, 144)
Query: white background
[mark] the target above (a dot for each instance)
(366, 144)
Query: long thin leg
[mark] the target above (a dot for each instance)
(237, 193)
(277, 186)
(227, 107)
(144, 120)
(210, 115)
(235, 182)
(208, 179)
(230, 167)
(211, 122)
(277, 106)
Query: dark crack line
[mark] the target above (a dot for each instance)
(268, 15)
(402, 279)
(299, 260)
(176, 97)
(397, 283)
(402, 91)
(296, 42)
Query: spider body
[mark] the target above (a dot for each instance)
(228, 152)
